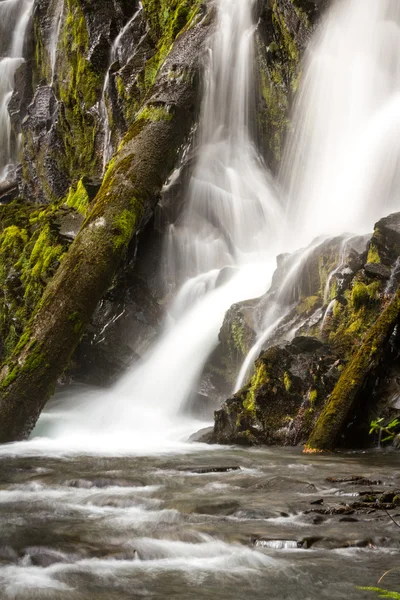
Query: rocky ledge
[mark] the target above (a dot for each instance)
(338, 300)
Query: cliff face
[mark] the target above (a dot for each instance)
(88, 70)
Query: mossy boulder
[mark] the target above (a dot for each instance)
(336, 295)
(283, 398)
(385, 242)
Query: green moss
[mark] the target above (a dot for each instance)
(381, 592)
(167, 19)
(373, 254)
(124, 225)
(78, 198)
(259, 379)
(359, 295)
(347, 389)
(30, 253)
(353, 317)
(155, 113)
(79, 87)
(287, 381)
(308, 305)
(41, 64)
(238, 338)
(313, 396)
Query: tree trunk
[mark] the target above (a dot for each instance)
(125, 201)
(350, 385)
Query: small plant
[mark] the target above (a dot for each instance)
(382, 593)
(390, 430)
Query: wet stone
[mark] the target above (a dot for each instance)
(211, 469)
(353, 479)
(377, 270)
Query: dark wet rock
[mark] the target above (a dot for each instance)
(385, 242)
(377, 270)
(203, 435)
(226, 508)
(285, 485)
(8, 192)
(211, 469)
(388, 497)
(281, 402)
(313, 518)
(303, 344)
(123, 327)
(45, 557)
(319, 501)
(353, 479)
(338, 290)
(101, 483)
(69, 223)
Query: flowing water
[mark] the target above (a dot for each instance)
(115, 50)
(192, 526)
(108, 500)
(17, 14)
(341, 168)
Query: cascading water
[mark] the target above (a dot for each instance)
(230, 219)
(16, 13)
(341, 168)
(55, 36)
(115, 50)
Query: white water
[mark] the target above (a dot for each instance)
(55, 36)
(341, 168)
(17, 13)
(115, 49)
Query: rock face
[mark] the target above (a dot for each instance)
(72, 87)
(279, 404)
(284, 29)
(338, 298)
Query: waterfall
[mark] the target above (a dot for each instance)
(16, 15)
(341, 166)
(55, 36)
(115, 50)
(220, 250)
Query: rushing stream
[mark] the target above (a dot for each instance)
(164, 526)
(108, 501)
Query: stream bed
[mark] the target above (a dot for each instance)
(207, 522)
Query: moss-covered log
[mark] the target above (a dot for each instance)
(351, 383)
(124, 202)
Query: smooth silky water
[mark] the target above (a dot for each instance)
(17, 13)
(108, 501)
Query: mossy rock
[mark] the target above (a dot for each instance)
(283, 398)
